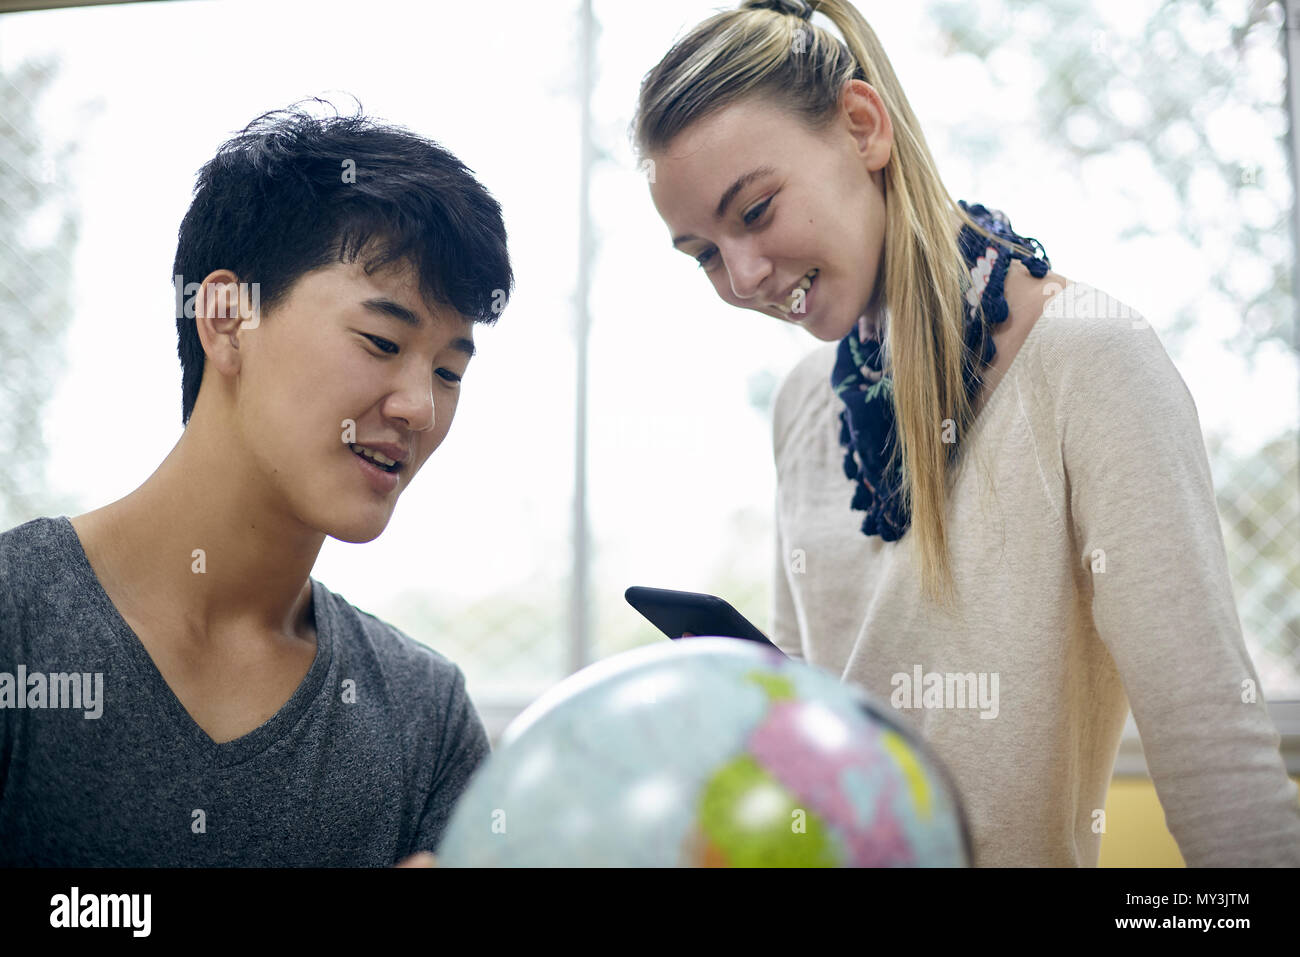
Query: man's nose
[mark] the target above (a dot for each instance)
(414, 402)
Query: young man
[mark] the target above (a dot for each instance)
(175, 690)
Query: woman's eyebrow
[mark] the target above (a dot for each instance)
(741, 182)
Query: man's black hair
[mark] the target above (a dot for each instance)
(275, 203)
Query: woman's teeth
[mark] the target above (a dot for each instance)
(800, 293)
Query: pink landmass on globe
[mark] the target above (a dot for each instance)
(803, 764)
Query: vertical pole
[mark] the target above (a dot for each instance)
(1291, 48)
(579, 603)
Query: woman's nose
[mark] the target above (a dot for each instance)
(746, 271)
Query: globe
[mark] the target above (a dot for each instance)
(706, 752)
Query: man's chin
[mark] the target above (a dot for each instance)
(358, 531)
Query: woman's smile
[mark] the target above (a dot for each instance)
(798, 303)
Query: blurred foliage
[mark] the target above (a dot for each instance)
(38, 233)
(1174, 91)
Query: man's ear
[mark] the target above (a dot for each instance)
(221, 315)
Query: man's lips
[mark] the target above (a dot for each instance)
(391, 450)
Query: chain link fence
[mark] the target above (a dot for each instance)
(1259, 504)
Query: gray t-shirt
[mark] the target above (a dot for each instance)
(103, 766)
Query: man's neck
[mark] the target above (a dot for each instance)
(207, 548)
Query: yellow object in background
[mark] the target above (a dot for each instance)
(1136, 835)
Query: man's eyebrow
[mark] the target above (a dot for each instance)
(399, 312)
(741, 182)
(395, 309)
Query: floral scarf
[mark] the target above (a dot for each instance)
(859, 379)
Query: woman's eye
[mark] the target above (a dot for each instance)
(383, 344)
(450, 376)
(752, 216)
(750, 219)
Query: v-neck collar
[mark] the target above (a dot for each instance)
(1030, 342)
(193, 739)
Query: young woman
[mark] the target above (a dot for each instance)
(1040, 548)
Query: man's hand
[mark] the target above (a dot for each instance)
(422, 859)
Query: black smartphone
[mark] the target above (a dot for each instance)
(677, 612)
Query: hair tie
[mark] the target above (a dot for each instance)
(795, 8)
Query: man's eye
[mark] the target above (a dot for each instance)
(704, 257)
(752, 216)
(392, 349)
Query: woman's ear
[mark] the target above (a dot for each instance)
(867, 121)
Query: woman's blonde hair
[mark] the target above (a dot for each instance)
(758, 52)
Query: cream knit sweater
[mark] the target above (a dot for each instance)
(1091, 575)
